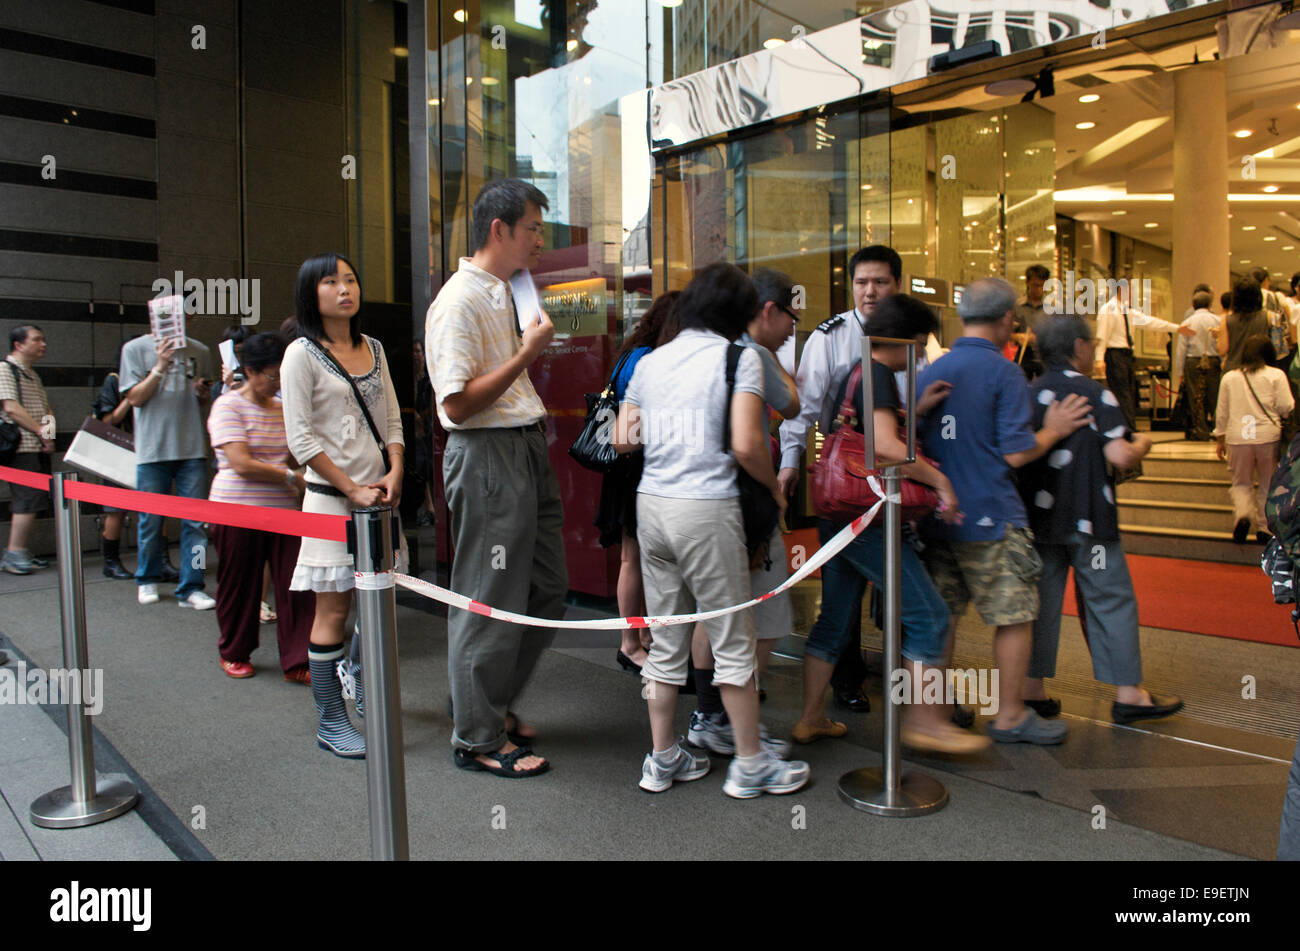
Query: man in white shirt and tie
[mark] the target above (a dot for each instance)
(1116, 322)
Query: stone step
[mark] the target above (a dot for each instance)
(1192, 516)
(1188, 543)
(1174, 468)
(1163, 489)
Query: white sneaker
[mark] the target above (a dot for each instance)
(771, 776)
(712, 732)
(687, 766)
(198, 601)
(147, 594)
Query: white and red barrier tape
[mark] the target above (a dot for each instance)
(334, 527)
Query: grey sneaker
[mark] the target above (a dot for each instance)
(1032, 729)
(773, 775)
(687, 766)
(713, 732)
(36, 562)
(17, 563)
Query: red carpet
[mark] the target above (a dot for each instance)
(1206, 598)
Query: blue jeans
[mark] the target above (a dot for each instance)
(191, 477)
(924, 615)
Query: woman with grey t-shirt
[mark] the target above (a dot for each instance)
(689, 526)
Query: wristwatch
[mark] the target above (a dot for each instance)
(290, 478)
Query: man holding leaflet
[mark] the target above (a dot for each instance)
(506, 515)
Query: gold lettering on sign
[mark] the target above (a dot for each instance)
(577, 308)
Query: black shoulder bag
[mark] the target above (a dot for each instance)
(758, 510)
(374, 430)
(594, 447)
(10, 434)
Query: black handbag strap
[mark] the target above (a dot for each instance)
(1258, 402)
(734, 352)
(374, 430)
(609, 385)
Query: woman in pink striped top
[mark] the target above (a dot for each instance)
(254, 468)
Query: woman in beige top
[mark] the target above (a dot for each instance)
(329, 433)
(1254, 399)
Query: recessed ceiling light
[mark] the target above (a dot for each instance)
(1085, 125)
(1243, 133)
(433, 102)
(1120, 212)
(1021, 238)
(490, 80)
(1244, 261)
(866, 188)
(397, 51)
(459, 16)
(1270, 188)
(571, 45)
(1288, 247)
(1270, 237)
(469, 80)
(1152, 224)
(1090, 97)
(586, 80)
(1247, 227)
(909, 201)
(773, 42)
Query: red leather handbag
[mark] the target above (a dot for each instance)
(839, 478)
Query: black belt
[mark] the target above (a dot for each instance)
(324, 488)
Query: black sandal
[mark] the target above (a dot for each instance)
(514, 735)
(468, 759)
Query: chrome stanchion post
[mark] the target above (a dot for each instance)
(371, 538)
(889, 791)
(90, 798)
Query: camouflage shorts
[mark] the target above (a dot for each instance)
(1000, 576)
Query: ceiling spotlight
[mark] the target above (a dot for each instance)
(1021, 238)
(433, 102)
(1243, 133)
(1247, 227)
(1090, 97)
(1152, 224)
(1085, 125)
(1270, 188)
(1245, 261)
(773, 42)
(490, 80)
(866, 188)
(1120, 212)
(459, 16)
(1270, 237)
(1288, 247)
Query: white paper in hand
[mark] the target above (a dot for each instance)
(528, 306)
(227, 348)
(167, 319)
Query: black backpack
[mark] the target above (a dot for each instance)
(758, 510)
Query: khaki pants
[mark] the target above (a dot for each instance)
(693, 559)
(1248, 462)
(506, 523)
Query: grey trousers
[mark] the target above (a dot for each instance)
(1101, 574)
(506, 523)
(1288, 839)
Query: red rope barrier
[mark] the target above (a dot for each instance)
(258, 517)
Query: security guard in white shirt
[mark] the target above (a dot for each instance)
(828, 355)
(1116, 322)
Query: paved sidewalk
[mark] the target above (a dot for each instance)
(245, 752)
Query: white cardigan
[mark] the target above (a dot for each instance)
(321, 412)
(1239, 417)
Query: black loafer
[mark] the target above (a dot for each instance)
(1132, 712)
(855, 701)
(628, 664)
(963, 717)
(1045, 708)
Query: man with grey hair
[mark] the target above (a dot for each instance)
(1070, 495)
(978, 435)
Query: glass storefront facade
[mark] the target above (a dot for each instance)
(1076, 169)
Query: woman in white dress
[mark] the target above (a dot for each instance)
(322, 373)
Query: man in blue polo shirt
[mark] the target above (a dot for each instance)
(978, 435)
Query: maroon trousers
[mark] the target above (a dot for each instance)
(243, 551)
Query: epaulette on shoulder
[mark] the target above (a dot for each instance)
(826, 326)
